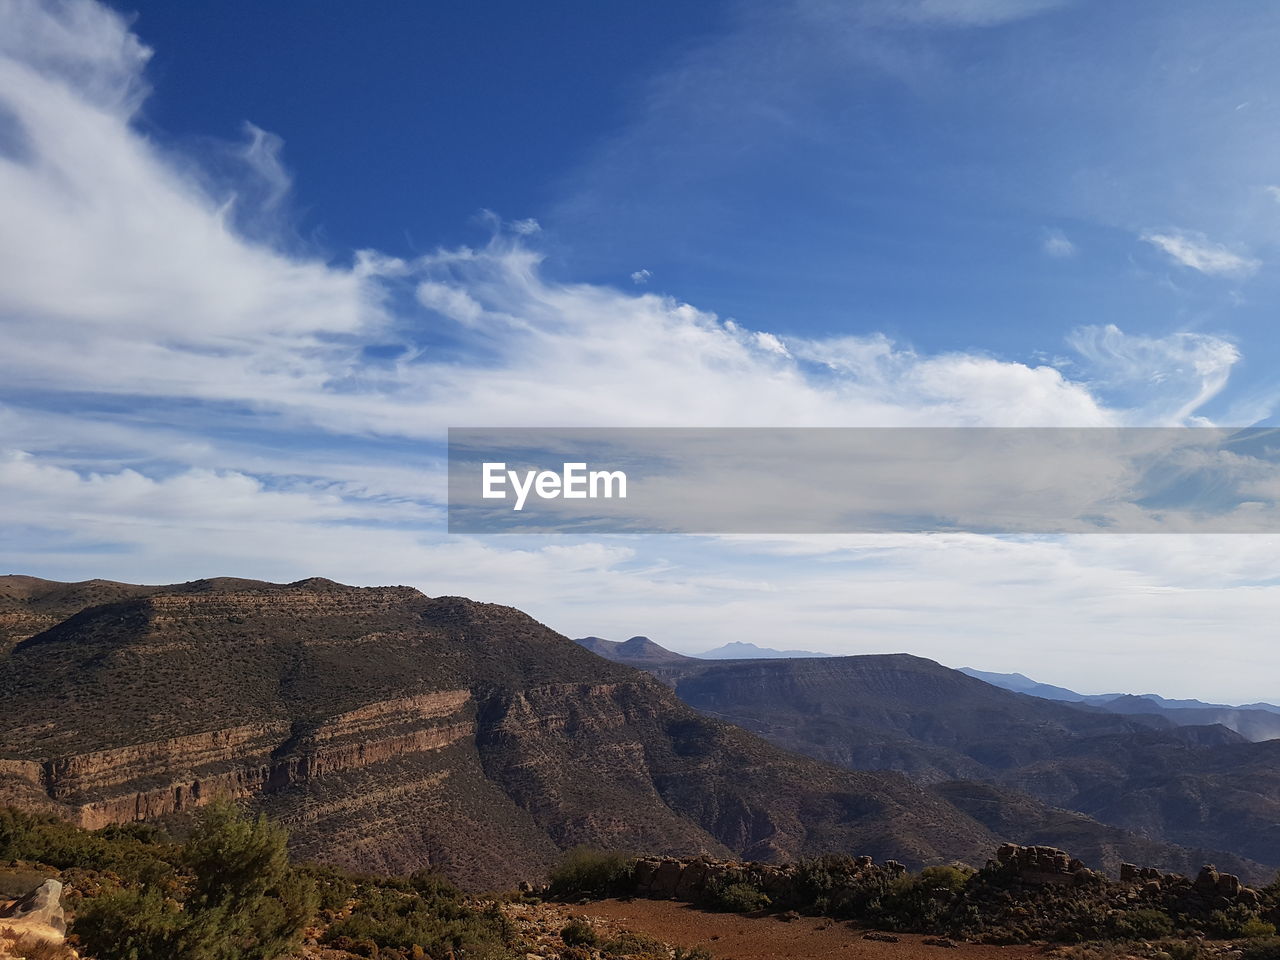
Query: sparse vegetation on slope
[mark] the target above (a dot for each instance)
(227, 891)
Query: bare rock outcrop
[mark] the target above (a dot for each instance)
(1040, 864)
(38, 915)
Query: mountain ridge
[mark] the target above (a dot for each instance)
(636, 650)
(1257, 721)
(1117, 781)
(741, 650)
(391, 730)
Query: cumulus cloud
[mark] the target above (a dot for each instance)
(641, 276)
(1198, 252)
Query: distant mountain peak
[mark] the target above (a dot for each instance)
(741, 650)
(1020, 683)
(636, 651)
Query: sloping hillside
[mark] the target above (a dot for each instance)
(1195, 792)
(638, 651)
(390, 730)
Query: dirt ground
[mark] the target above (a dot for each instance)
(734, 937)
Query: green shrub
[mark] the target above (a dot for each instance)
(578, 933)
(1144, 924)
(1257, 928)
(133, 853)
(244, 901)
(333, 887)
(137, 925)
(1239, 922)
(585, 872)
(399, 920)
(838, 886)
(15, 834)
(739, 897)
(629, 944)
(952, 879)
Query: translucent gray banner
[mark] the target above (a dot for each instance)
(864, 480)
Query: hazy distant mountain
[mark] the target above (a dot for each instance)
(1254, 721)
(1138, 778)
(1021, 684)
(1201, 705)
(636, 651)
(641, 651)
(1254, 724)
(738, 650)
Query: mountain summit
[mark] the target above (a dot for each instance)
(636, 651)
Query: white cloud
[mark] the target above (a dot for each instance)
(453, 303)
(1165, 380)
(1197, 252)
(967, 12)
(1055, 244)
(641, 276)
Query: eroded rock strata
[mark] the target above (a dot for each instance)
(392, 731)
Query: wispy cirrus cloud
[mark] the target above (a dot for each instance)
(1197, 252)
(981, 13)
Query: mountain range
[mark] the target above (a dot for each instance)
(739, 650)
(1254, 721)
(391, 730)
(1018, 763)
(642, 650)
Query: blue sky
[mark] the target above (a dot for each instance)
(805, 168)
(253, 264)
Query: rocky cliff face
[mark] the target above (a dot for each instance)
(393, 731)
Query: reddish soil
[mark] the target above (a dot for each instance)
(734, 937)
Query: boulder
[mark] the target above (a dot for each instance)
(665, 880)
(38, 914)
(1207, 880)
